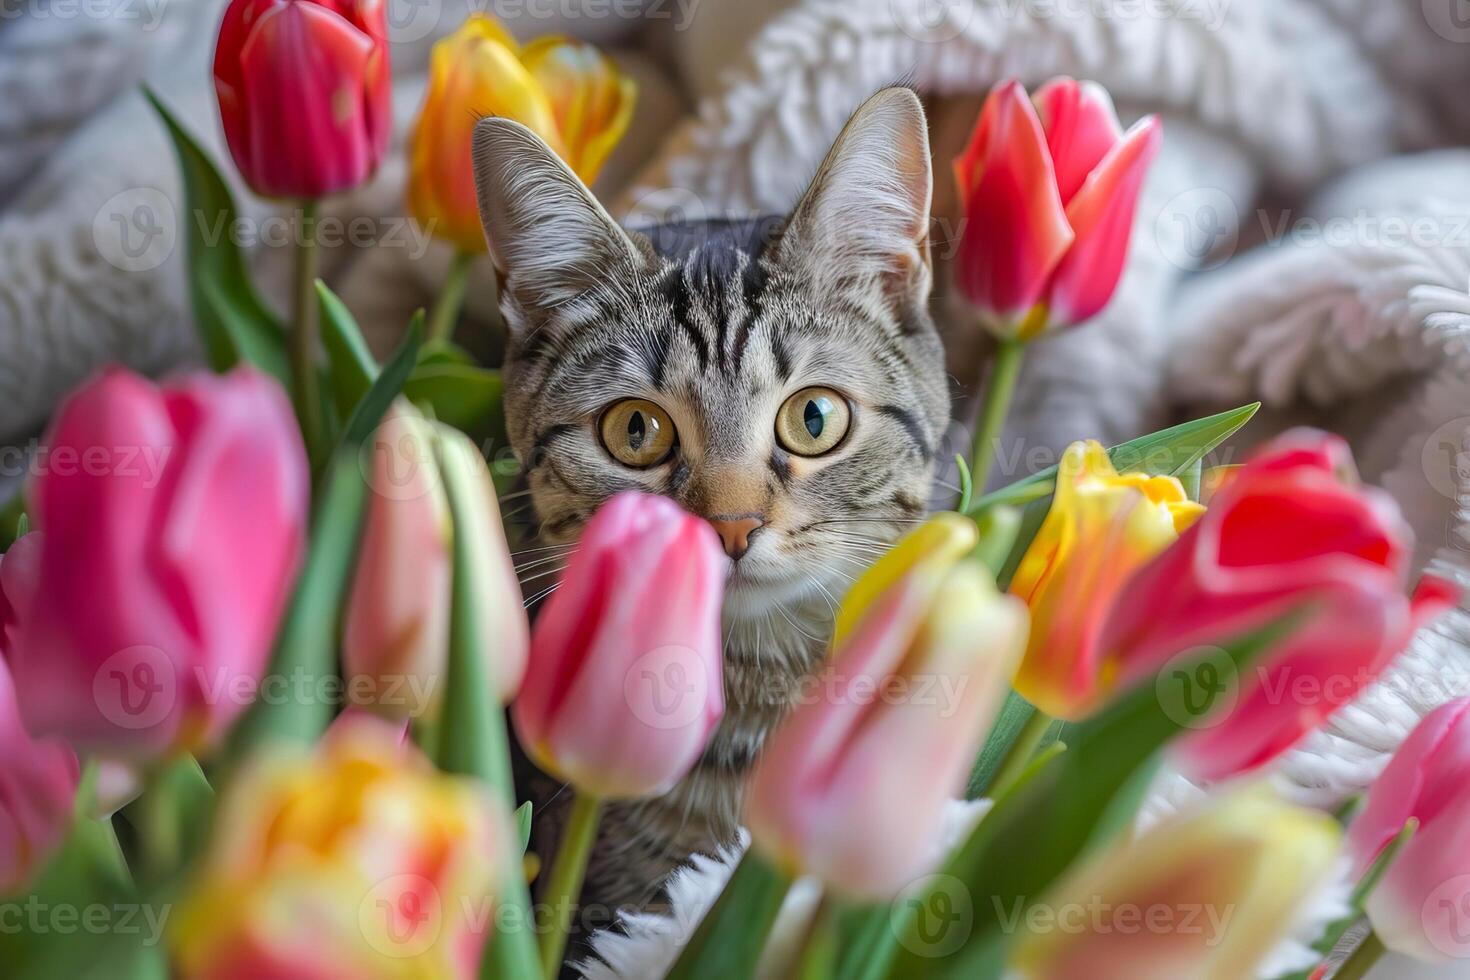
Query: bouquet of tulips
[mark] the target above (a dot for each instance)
(260, 626)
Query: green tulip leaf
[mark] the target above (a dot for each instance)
(351, 366)
(1168, 452)
(473, 740)
(462, 395)
(306, 647)
(234, 325)
(87, 876)
(387, 386)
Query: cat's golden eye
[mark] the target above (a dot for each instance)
(813, 421)
(638, 433)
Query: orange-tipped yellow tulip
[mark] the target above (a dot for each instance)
(1102, 527)
(570, 93)
(1206, 895)
(358, 860)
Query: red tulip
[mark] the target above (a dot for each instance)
(1414, 906)
(1284, 533)
(1049, 192)
(304, 93)
(623, 686)
(173, 521)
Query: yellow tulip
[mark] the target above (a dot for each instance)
(358, 860)
(1206, 895)
(1102, 527)
(568, 92)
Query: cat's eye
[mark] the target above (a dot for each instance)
(813, 421)
(637, 432)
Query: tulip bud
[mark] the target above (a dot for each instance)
(358, 860)
(1049, 191)
(624, 683)
(567, 92)
(1284, 534)
(1102, 527)
(1208, 893)
(1418, 906)
(395, 642)
(853, 787)
(174, 520)
(304, 93)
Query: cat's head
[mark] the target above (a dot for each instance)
(781, 378)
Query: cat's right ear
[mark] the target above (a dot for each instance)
(549, 237)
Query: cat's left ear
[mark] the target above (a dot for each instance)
(864, 221)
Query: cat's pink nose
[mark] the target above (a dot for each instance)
(735, 532)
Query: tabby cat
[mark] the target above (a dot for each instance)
(780, 377)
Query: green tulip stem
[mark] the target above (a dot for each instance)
(565, 885)
(819, 953)
(999, 390)
(303, 334)
(1363, 959)
(1018, 757)
(451, 298)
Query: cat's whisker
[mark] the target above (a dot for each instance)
(523, 566)
(541, 595)
(794, 625)
(513, 496)
(550, 571)
(549, 547)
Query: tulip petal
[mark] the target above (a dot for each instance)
(592, 100)
(304, 74)
(1016, 227)
(1081, 128)
(474, 73)
(1102, 215)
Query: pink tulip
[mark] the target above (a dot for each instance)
(1418, 906)
(304, 93)
(1049, 190)
(852, 788)
(173, 521)
(1284, 533)
(395, 645)
(38, 785)
(624, 683)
